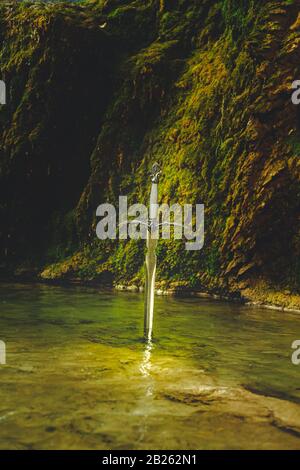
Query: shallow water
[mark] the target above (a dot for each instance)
(79, 376)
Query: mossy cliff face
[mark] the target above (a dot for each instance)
(99, 91)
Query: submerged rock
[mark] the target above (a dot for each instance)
(241, 403)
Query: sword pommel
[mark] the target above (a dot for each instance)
(155, 173)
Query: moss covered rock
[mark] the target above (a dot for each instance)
(99, 91)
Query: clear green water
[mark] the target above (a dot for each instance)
(79, 376)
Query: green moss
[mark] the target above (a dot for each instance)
(294, 142)
(198, 86)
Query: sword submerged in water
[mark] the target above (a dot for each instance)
(150, 261)
(153, 225)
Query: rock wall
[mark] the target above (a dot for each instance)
(99, 91)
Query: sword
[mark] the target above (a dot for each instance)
(150, 261)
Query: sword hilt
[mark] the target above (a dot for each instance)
(155, 173)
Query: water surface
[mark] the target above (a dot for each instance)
(79, 375)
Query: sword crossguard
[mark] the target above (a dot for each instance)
(152, 224)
